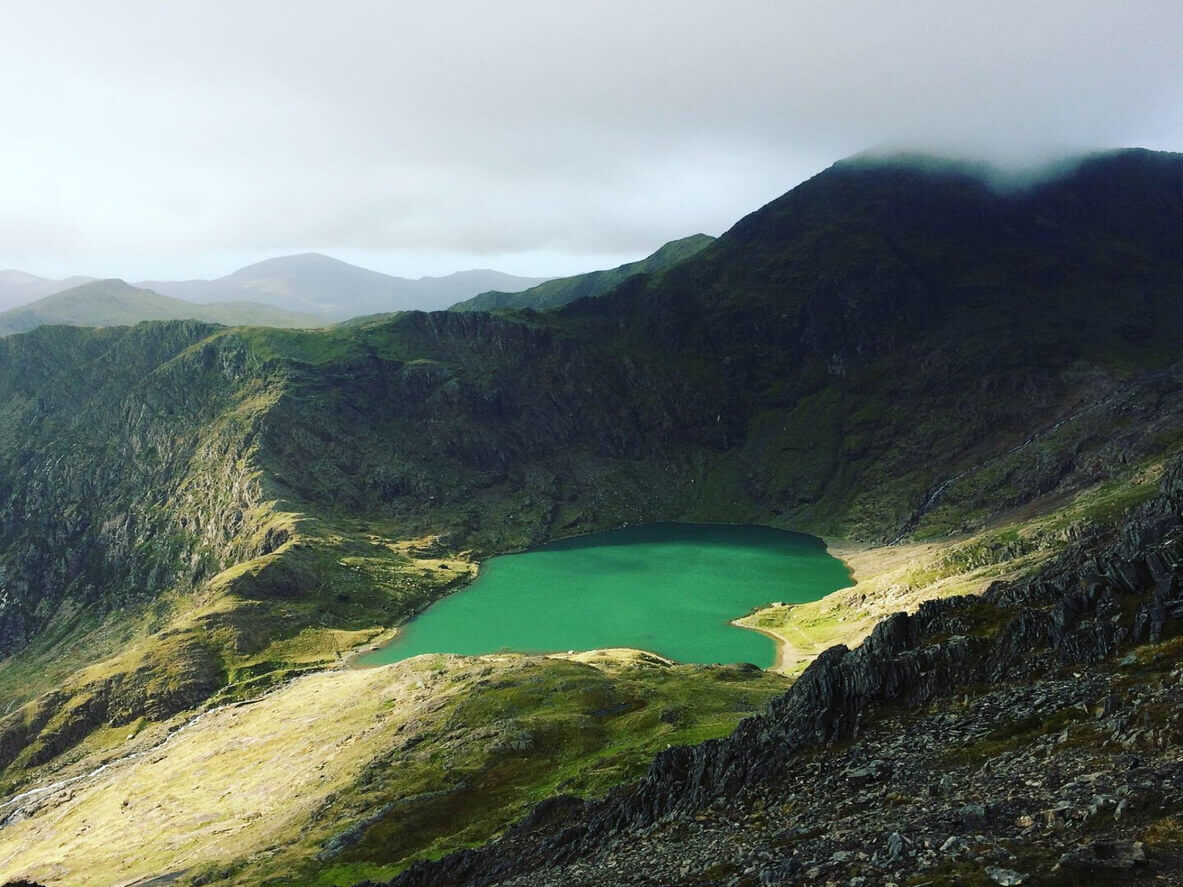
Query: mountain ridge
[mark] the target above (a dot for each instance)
(114, 302)
(828, 379)
(556, 293)
(303, 283)
(19, 288)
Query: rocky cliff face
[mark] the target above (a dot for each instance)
(125, 471)
(918, 322)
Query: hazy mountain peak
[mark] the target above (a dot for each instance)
(295, 262)
(114, 302)
(330, 288)
(20, 287)
(13, 275)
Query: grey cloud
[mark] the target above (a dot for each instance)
(488, 131)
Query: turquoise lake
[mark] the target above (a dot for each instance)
(671, 589)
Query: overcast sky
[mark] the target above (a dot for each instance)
(171, 139)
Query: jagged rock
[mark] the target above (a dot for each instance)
(872, 772)
(1101, 855)
(972, 817)
(1005, 877)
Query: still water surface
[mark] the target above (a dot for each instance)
(668, 588)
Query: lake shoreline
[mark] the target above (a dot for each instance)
(844, 550)
(795, 587)
(779, 659)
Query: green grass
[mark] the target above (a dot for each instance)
(584, 731)
(556, 293)
(455, 749)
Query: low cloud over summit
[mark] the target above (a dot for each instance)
(186, 138)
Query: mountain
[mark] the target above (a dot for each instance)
(974, 392)
(18, 288)
(555, 293)
(333, 289)
(115, 303)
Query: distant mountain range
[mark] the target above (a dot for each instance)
(555, 293)
(19, 288)
(336, 290)
(116, 303)
(306, 289)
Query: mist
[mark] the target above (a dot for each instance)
(148, 140)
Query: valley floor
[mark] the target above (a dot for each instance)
(260, 788)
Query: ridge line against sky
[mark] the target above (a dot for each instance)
(184, 140)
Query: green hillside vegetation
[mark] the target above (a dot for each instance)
(711, 393)
(114, 303)
(555, 293)
(448, 750)
(191, 515)
(340, 776)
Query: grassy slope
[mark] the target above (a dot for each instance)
(239, 497)
(555, 293)
(115, 303)
(358, 559)
(292, 449)
(451, 748)
(900, 578)
(511, 730)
